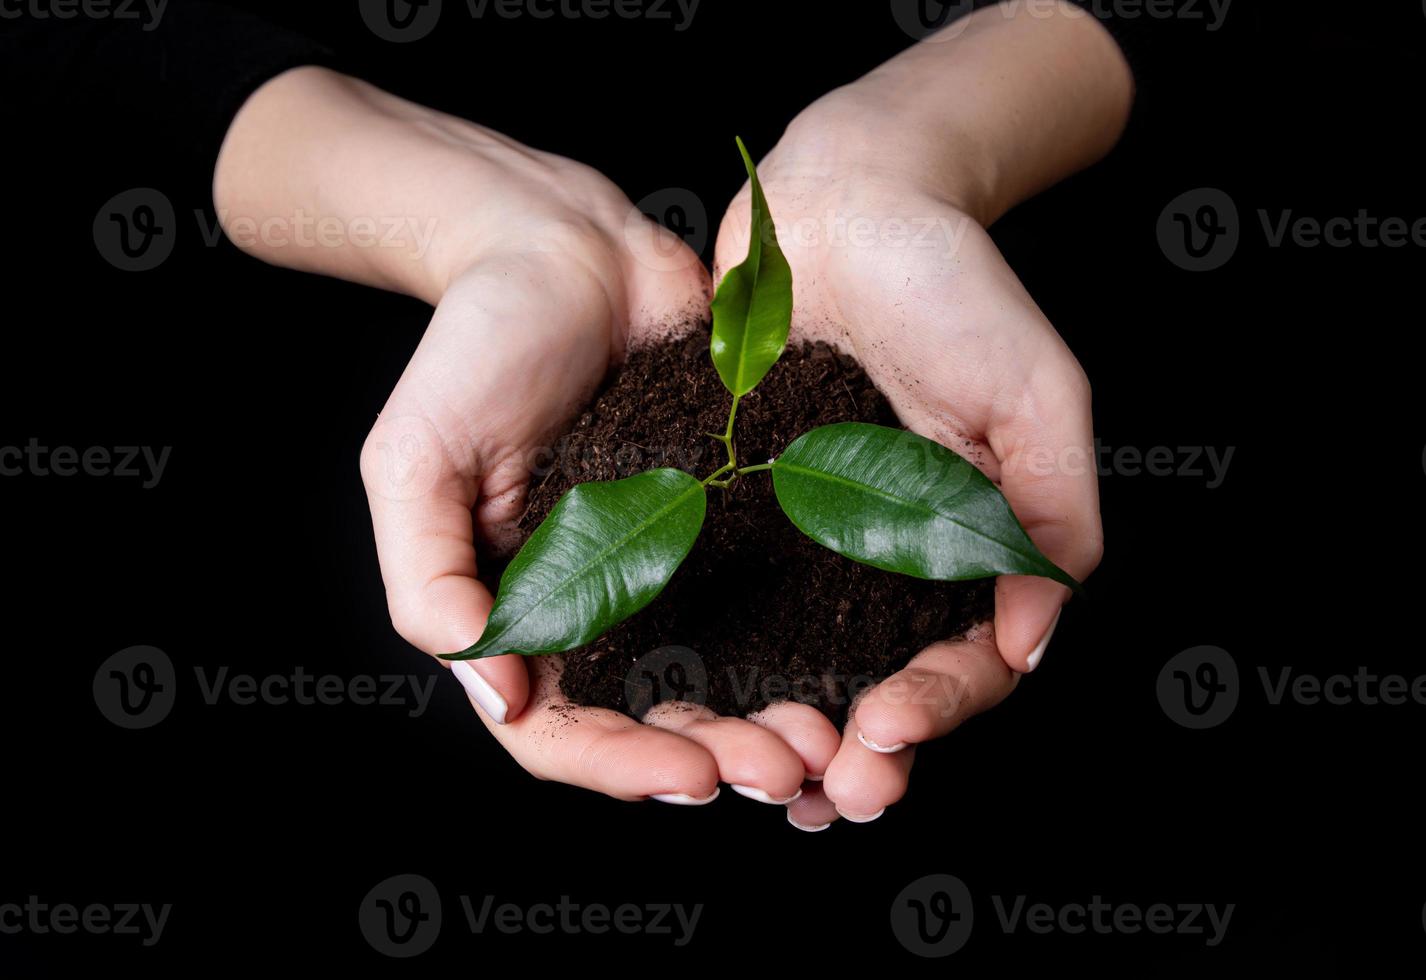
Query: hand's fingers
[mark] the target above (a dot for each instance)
(805, 730)
(451, 434)
(1048, 473)
(812, 811)
(669, 288)
(941, 687)
(603, 750)
(861, 783)
(421, 515)
(753, 760)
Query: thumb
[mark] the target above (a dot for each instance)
(1047, 473)
(421, 515)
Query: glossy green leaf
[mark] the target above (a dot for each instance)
(752, 309)
(898, 501)
(604, 552)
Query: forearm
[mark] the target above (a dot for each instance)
(327, 174)
(991, 111)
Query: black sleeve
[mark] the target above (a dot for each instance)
(174, 85)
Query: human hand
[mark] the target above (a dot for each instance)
(542, 274)
(884, 230)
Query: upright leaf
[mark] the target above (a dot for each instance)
(604, 552)
(895, 500)
(752, 309)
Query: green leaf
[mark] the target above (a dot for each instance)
(898, 501)
(752, 309)
(604, 552)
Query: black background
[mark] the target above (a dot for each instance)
(266, 825)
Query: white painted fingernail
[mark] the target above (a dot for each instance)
(812, 829)
(867, 818)
(762, 795)
(1033, 661)
(884, 750)
(683, 799)
(480, 690)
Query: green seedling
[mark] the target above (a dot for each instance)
(885, 497)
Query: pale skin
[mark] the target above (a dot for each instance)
(542, 276)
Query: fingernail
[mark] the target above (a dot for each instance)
(1033, 661)
(814, 779)
(883, 749)
(802, 826)
(683, 799)
(762, 795)
(860, 819)
(480, 690)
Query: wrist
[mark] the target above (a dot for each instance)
(999, 106)
(857, 137)
(324, 173)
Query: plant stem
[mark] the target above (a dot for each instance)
(753, 469)
(711, 477)
(732, 414)
(727, 440)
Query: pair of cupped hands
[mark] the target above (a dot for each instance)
(524, 334)
(544, 276)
